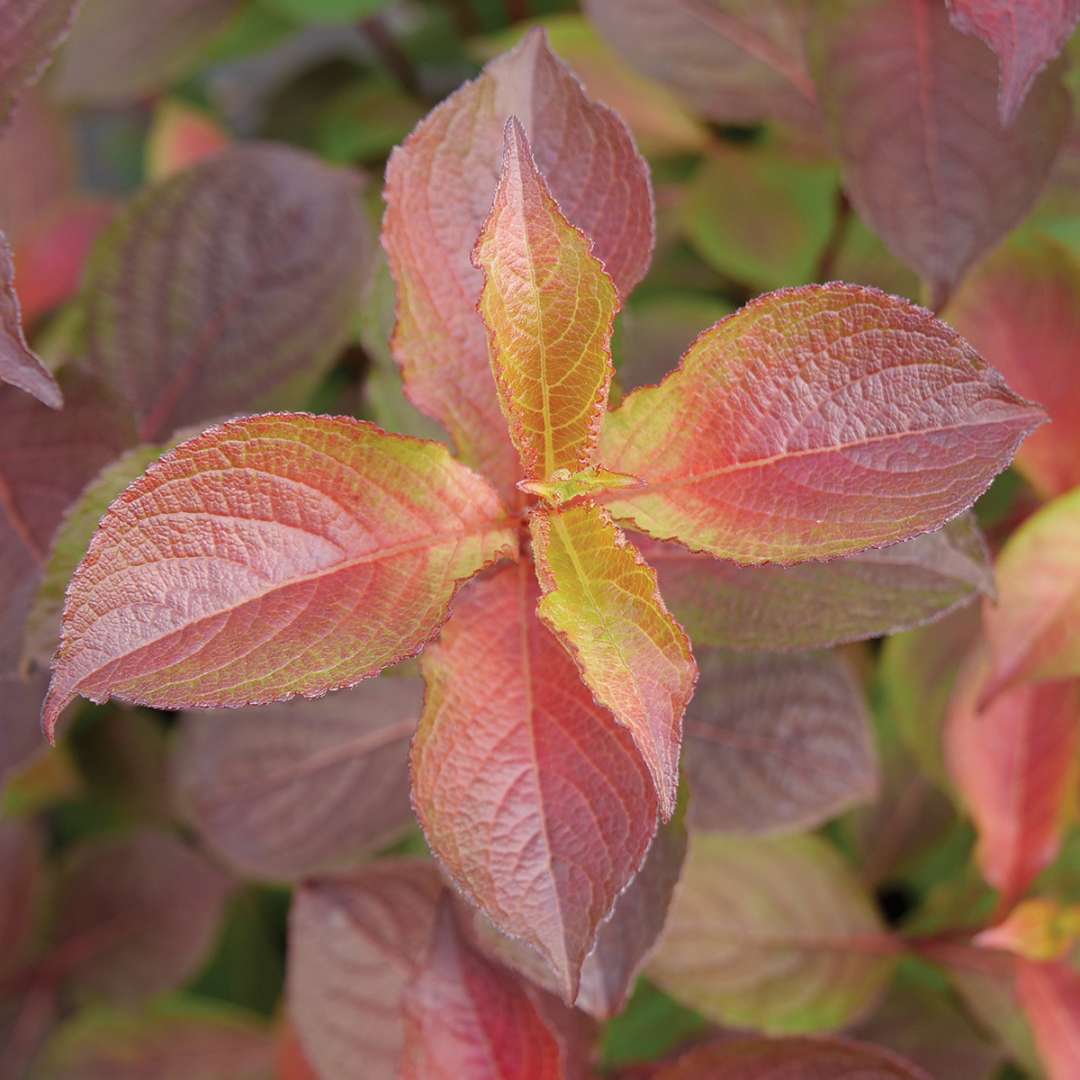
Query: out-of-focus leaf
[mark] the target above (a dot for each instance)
(1050, 996)
(1036, 929)
(533, 798)
(772, 933)
(651, 1026)
(466, 1017)
(325, 11)
(861, 257)
(780, 439)
(1025, 34)
(439, 190)
(735, 61)
(327, 548)
(911, 104)
(231, 285)
(120, 50)
(19, 366)
(180, 136)
(817, 605)
(775, 743)
(790, 1059)
(1021, 310)
(355, 944)
(299, 788)
(135, 915)
(364, 122)
(761, 213)
(1014, 766)
(601, 600)
(20, 886)
(181, 1040)
(32, 30)
(20, 728)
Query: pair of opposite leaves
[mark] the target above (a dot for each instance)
(291, 554)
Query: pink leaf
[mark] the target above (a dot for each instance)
(1050, 995)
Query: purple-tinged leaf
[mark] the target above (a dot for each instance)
(19, 366)
(20, 887)
(355, 944)
(20, 730)
(775, 743)
(290, 790)
(30, 31)
(911, 104)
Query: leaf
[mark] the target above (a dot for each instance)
(119, 51)
(295, 789)
(535, 801)
(761, 213)
(439, 188)
(1050, 996)
(135, 915)
(1021, 309)
(1014, 764)
(19, 366)
(775, 743)
(290, 555)
(741, 1058)
(21, 882)
(773, 934)
(466, 1017)
(1025, 34)
(181, 136)
(1036, 929)
(166, 1041)
(33, 30)
(815, 422)
(326, 11)
(735, 61)
(816, 605)
(549, 307)
(20, 733)
(600, 599)
(261, 251)
(910, 103)
(355, 944)
(1034, 628)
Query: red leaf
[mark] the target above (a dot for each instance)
(355, 943)
(533, 798)
(911, 106)
(135, 915)
(1014, 765)
(32, 31)
(1021, 310)
(1050, 995)
(813, 423)
(1025, 34)
(439, 189)
(464, 1017)
(816, 605)
(298, 788)
(775, 743)
(272, 556)
(18, 364)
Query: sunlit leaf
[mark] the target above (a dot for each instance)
(911, 104)
(19, 366)
(813, 423)
(1050, 996)
(533, 798)
(600, 598)
(288, 554)
(32, 30)
(773, 934)
(181, 136)
(775, 743)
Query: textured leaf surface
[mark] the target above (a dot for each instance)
(269, 557)
(19, 366)
(1025, 34)
(1050, 996)
(1034, 628)
(791, 1059)
(233, 284)
(815, 605)
(20, 883)
(140, 913)
(355, 943)
(600, 598)
(1014, 764)
(533, 798)
(1021, 309)
(439, 191)
(736, 61)
(775, 743)
(466, 1017)
(30, 31)
(911, 104)
(294, 789)
(773, 934)
(549, 307)
(813, 423)
(181, 136)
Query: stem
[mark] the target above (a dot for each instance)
(393, 57)
(826, 263)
